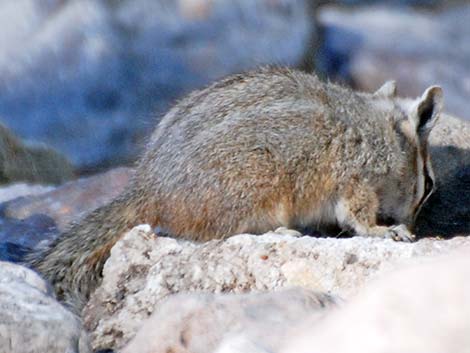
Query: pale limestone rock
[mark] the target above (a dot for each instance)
(36, 219)
(90, 77)
(72, 201)
(451, 131)
(241, 344)
(31, 320)
(371, 44)
(198, 323)
(16, 190)
(144, 269)
(450, 145)
(420, 309)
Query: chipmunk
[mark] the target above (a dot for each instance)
(260, 150)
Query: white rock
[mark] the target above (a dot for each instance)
(31, 320)
(143, 270)
(372, 44)
(421, 309)
(198, 323)
(13, 191)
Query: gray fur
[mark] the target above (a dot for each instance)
(251, 153)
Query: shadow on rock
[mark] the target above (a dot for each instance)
(20, 236)
(447, 213)
(26, 222)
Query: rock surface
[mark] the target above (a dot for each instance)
(390, 2)
(144, 269)
(199, 323)
(446, 212)
(73, 200)
(88, 77)
(421, 309)
(370, 45)
(13, 191)
(32, 321)
(27, 221)
(30, 163)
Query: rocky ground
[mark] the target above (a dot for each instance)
(143, 270)
(91, 85)
(89, 77)
(31, 319)
(32, 215)
(134, 308)
(338, 287)
(367, 46)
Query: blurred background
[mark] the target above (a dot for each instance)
(91, 78)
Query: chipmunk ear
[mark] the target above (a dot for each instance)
(426, 110)
(388, 90)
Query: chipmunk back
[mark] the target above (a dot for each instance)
(253, 152)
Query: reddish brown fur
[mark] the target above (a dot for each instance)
(251, 153)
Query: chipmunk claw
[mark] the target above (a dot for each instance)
(400, 233)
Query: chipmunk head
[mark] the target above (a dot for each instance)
(415, 180)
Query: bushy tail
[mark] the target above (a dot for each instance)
(73, 263)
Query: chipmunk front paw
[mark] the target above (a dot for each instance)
(400, 233)
(288, 231)
(397, 232)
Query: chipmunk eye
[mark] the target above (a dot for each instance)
(428, 187)
(428, 184)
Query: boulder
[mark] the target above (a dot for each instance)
(369, 45)
(16, 190)
(58, 69)
(199, 323)
(32, 321)
(421, 3)
(446, 212)
(144, 269)
(90, 77)
(71, 201)
(420, 309)
(404, 311)
(30, 163)
(31, 220)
